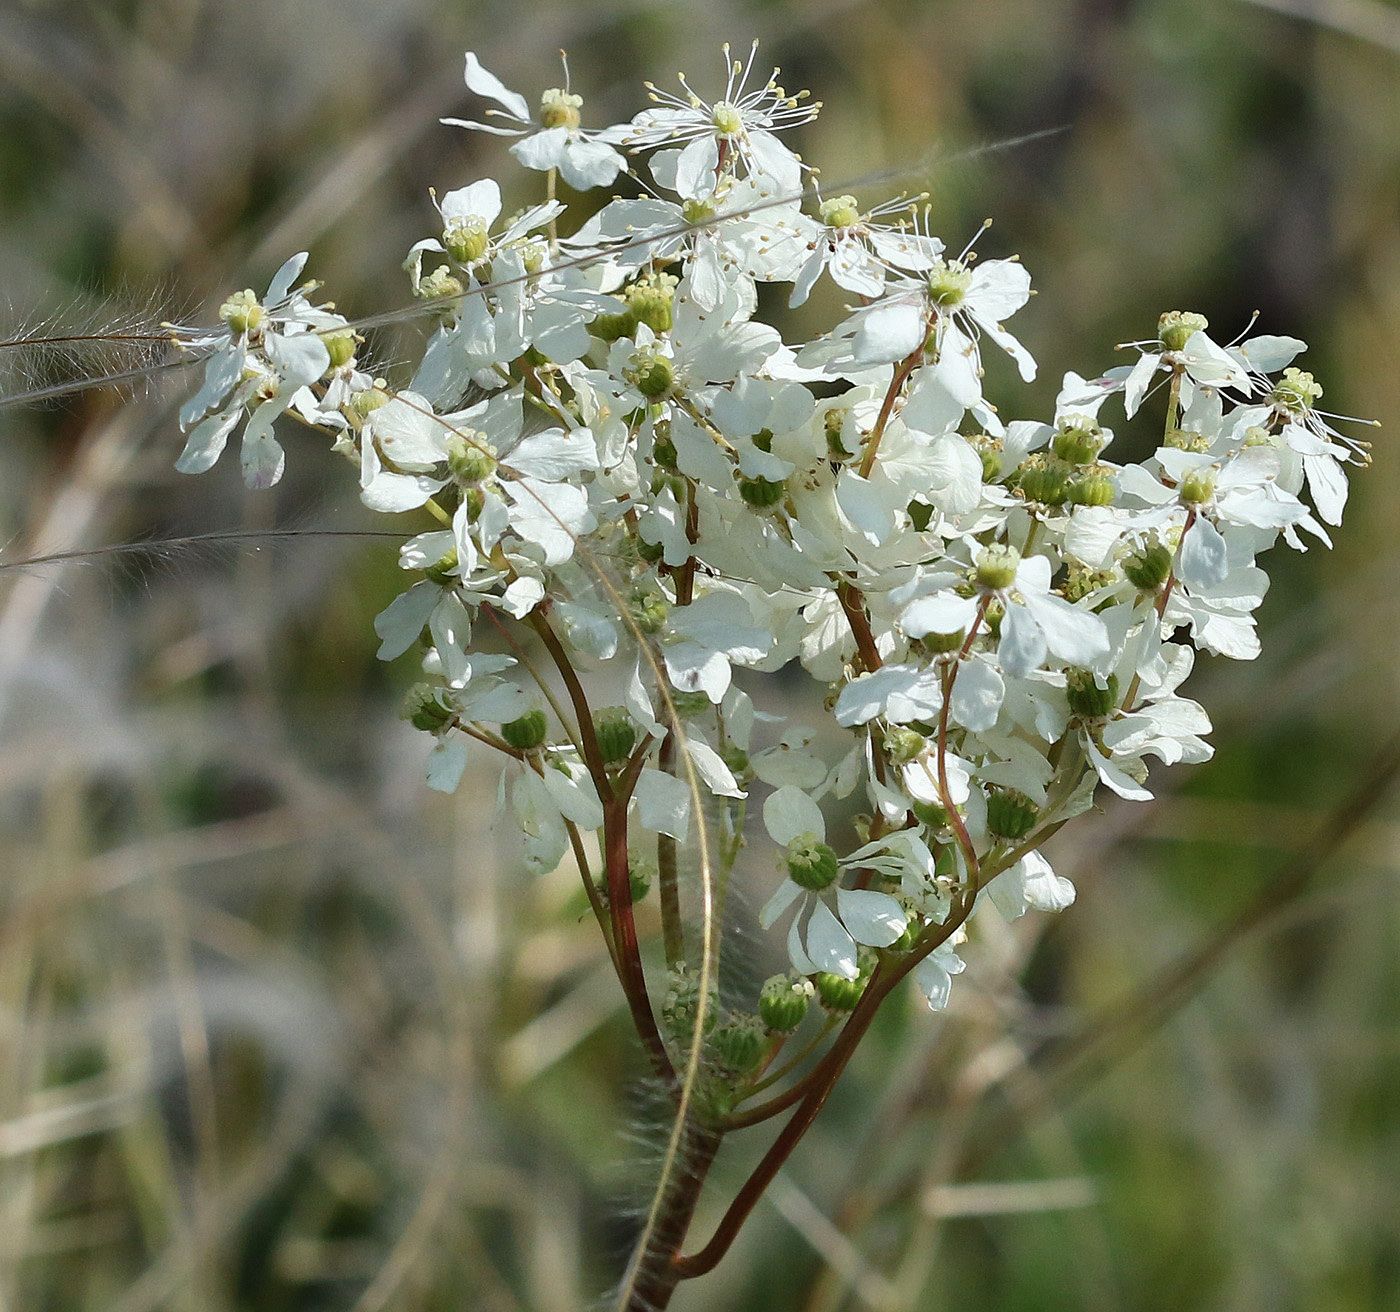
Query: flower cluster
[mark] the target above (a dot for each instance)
(624, 463)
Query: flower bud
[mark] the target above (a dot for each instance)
(1078, 440)
(762, 493)
(1086, 698)
(783, 1002)
(811, 863)
(948, 282)
(682, 1002)
(903, 744)
(996, 567)
(617, 735)
(465, 240)
(1197, 487)
(528, 732)
(1149, 567)
(560, 109)
(423, 708)
(1092, 490)
(1010, 814)
(837, 993)
(840, 212)
(1175, 327)
(471, 459)
(242, 312)
(739, 1044)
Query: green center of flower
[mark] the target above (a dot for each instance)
(698, 211)
(652, 374)
(1296, 390)
(471, 459)
(727, 119)
(1175, 327)
(560, 109)
(996, 567)
(1198, 487)
(465, 240)
(840, 212)
(948, 282)
(242, 312)
(811, 863)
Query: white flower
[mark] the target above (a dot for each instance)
(820, 939)
(584, 159)
(736, 130)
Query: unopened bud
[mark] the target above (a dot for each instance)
(526, 733)
(1078, 441)
(1086, 698)
(762, 493)
(1010, 814)
(838, 993)
(783, 1002)
(1150, 567)
(739, 1044)
(617, 735)
(423, 708)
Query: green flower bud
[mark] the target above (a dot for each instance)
(617, 735)
(840, 212)
(762, 493)
(930, 814)
(242, 312)
(1092, 490)
(903, 744)
(1296, 390)
(1197, 487)
(471, 459)
(528, 732)
(1078, 441)
(948, 282)
(440, 284)
(651, 300)
(837, 993)
(609, 327)
(783, 1002)
(465, 240)
(1176, 326)
(443, 571)
(651, 374)
(340, 347)
(1149, 568)
(1010, 814)
(560, 109)
(423, 708)
(1086, 698)
(811, 863)
(682, 1002)
(739, 1044)
(996, 567)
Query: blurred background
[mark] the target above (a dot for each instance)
(279, 1029)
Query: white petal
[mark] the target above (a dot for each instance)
(829, 945)
(783, 897)
(663, 804)
(788, 813)
(977, 696)
(874, 919)
(489, 85)
(1074, 635)
(1204, 559)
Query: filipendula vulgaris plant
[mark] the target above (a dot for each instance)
(619, 464)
